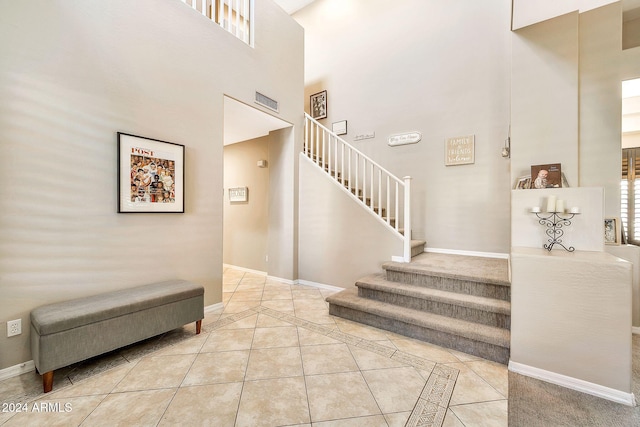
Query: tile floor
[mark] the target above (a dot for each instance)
(272, 357)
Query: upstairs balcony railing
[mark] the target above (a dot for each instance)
(235, 16)
(386, 196)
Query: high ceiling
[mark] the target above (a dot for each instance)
(292, 6)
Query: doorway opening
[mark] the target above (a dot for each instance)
(248, 162)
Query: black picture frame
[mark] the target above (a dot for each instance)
(156, 169)
(318, 105)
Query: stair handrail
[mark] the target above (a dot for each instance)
(312, 150)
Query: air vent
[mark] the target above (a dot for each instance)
(265, 101)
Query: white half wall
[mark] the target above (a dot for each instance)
(630, 253)
(340, 242)
(570, 315)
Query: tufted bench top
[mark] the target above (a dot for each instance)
(62, 316)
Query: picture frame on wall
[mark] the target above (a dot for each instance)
(612, 232)
(339, 128)
(150, 175)
(318, 105)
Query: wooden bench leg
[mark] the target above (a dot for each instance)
(47, 381)
(198, 326)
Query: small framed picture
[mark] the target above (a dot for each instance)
(546, 176)
(523, 183)
(150, 175)
(612, 231)
(318, 105)
(339, 128)
(239, 195)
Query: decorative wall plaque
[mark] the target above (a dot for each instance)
(238, 194)
(460, 151)
(404, 138)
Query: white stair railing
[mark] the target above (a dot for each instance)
(382, 193)
(235, 16)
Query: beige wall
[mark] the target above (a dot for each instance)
(544, 97)
(284, 146)
(601, 103)
(73, 74)
(427, 66)
(566, 99)
(246, 224)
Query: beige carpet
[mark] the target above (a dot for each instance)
(490, 270)
(534, 403)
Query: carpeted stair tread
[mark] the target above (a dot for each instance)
(417, 247)
(488, 334)
(379, 283)
(473, 269)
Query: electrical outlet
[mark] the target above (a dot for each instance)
(14, 327)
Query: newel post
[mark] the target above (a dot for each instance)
(407, 219)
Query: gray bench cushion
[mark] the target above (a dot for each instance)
(53, 318)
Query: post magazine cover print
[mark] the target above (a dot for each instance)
(152, 176)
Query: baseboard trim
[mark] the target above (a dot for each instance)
(246, 270)
(635, 330)
(281, 280)
(213, 307)
(19, 369)
(574, 383)
(277, 279)
(468, 253)
(319, 285)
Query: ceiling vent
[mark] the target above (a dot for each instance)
(267, 102)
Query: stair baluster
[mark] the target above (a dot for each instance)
(357, 173)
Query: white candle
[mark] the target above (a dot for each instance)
(551, 204)
(575, 210)
(535, 209)
(560, 206)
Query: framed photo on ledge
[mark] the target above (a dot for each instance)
(150, 175)
(546, 176)
(318, 105)
(612, 232)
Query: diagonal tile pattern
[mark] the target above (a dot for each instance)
(272, 357)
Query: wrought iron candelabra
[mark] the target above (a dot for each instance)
(554, 223)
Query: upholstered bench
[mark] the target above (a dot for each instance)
(71, 331)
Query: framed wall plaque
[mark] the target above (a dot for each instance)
(459, 151)
(239, 195)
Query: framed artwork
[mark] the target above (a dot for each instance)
(318, 105)
(523, 183)
(612, 231)
(339, 128)
(150, 175)
(239, 195)
(546, 176)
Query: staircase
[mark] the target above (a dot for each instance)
(457, 302)
(384, 195)
(453, 301)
